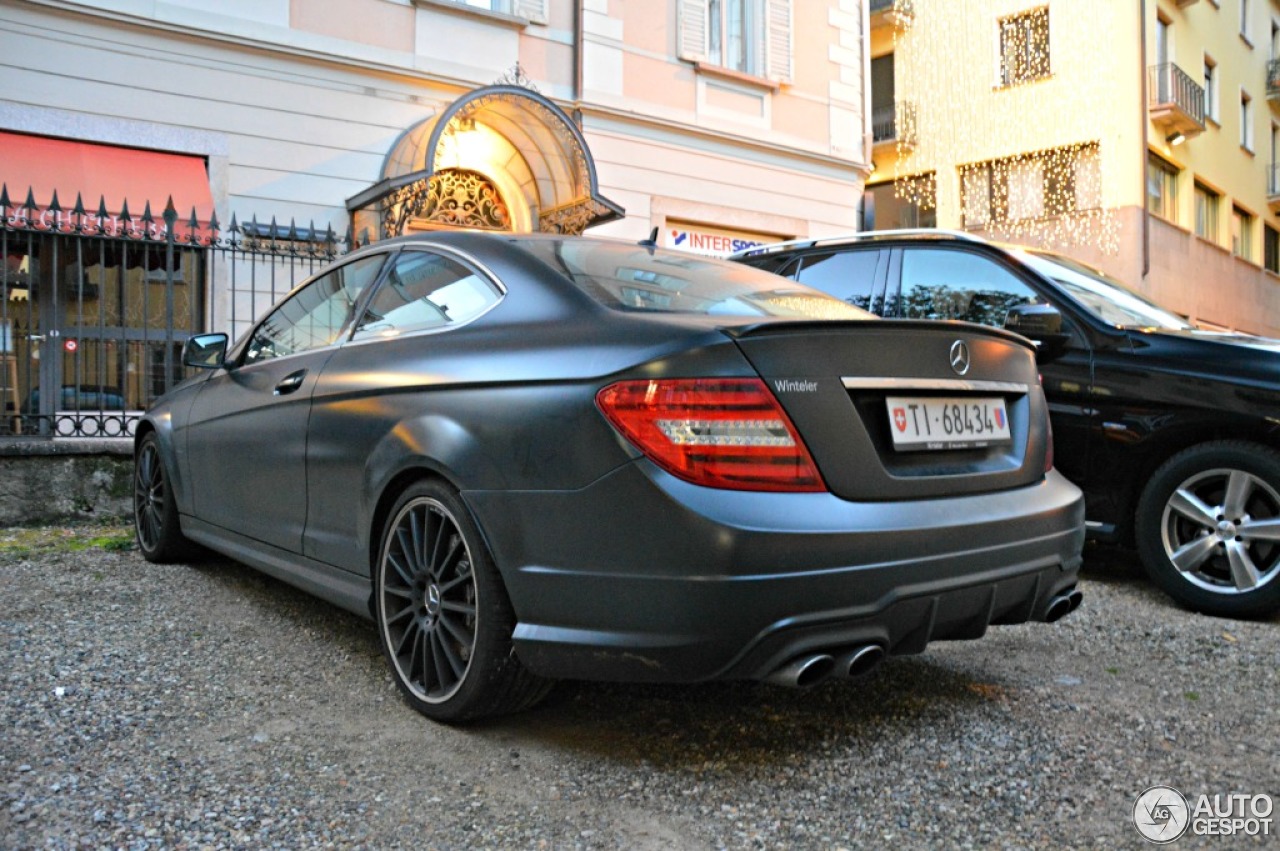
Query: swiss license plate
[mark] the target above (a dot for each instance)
(929, 423)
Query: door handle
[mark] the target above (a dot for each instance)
(290, 383)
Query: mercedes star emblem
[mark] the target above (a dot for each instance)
(959, 357)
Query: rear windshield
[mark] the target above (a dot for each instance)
(631, 277)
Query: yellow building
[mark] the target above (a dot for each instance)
(1138, 136)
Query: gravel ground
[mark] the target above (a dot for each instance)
(207, 706)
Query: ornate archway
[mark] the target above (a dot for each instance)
(502, 157)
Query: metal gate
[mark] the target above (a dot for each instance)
(95, 307)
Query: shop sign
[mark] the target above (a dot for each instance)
(712, 241)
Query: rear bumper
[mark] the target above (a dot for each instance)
(688, 583)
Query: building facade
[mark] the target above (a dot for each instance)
(1140, 137)
(305, 123)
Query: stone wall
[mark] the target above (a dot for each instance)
(65, 481)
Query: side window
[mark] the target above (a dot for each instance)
(941, 284)
(848, 275)
(315, 316)
(424, 291)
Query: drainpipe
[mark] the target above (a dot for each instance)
(577, 57)
(868, 132)
(1142, 111)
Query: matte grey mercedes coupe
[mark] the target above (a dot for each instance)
(529, 457)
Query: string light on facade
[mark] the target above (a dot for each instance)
(986, 139)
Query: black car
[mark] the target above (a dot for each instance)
(1171, 431)
(533, 457)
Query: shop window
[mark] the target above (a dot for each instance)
(1024, 47)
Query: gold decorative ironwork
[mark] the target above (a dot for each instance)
(454, 197)
(516, 76)
(564, 136)
(571, 218)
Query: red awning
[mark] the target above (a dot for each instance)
(104, 174)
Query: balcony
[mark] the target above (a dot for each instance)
(894, 125)
(1273, 187)
(892, 14)
(1175, 101)
(1273, 81)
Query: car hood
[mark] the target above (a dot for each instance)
(1224, 356)
(1227, 338)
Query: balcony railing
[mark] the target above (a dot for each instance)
(1176, 102)
(894, 122)
(1273, 78)
(1273, 186)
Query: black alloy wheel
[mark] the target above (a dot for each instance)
(155, 513)
(444, 619)
(1208, 528)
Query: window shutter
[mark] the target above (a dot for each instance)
(778, 40)
(692, 25)
(533, 10)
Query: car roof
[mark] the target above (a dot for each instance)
(899, 235)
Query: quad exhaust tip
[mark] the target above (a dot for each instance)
(1063, 605)
(813, 668)
(804, 671)
(861, 661)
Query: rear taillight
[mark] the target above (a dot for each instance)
(718, 432)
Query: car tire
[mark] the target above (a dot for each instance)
(444, 619)
(1208, 528)
(155, 513)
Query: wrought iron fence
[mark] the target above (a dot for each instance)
(1273, 77)
(95, 306)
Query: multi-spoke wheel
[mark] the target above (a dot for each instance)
(155, 514)
(1208, 528)
(443, 615)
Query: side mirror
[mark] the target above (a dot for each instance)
(1039, 323)
(205, 351)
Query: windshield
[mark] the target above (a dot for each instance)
(1104, 297)
(632, 277)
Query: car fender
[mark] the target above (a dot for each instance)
(417, 447)
(167, 417)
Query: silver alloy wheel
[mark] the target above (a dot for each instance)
(1221, 529)
(428, 607)
(149, 495)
